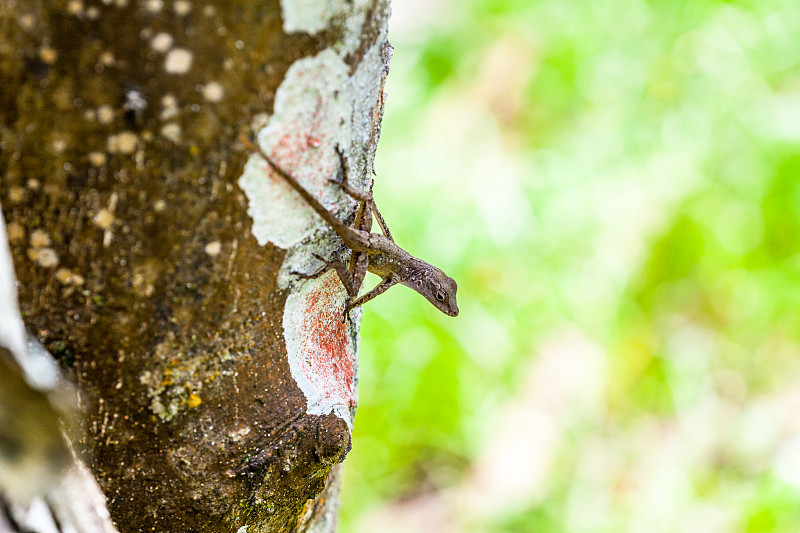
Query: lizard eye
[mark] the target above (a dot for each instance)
(440, 296)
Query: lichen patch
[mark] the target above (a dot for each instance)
(321, 347)
(313, 16)
(310, 99)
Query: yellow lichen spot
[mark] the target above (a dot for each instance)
(160, 206)
(104, 218)
(122, 143)
(40, 238)
(105, 114)
(194, 400)
(213, 248)
(33, 184)
(15, 232)
(48, 54)
(97, 159)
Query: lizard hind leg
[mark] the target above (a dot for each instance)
(368, 208)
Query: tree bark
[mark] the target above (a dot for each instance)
(154, 255)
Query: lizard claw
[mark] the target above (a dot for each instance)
(347, 309)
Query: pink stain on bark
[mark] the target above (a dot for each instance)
(325, 350)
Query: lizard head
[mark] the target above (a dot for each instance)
(438, 288)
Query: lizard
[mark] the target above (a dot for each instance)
(373, 252)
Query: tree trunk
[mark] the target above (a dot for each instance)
(154, 254)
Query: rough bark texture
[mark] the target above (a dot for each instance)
(137, 268)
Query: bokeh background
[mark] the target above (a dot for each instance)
(615, 187)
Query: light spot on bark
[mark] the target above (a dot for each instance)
(213, 248)
(105, 114)
(122, 143)
(97, 159)
(26, 21)
(40, 238)
(48, 55)
(67, 277)
(103, 219)
(161, 42)
(213, 92)
(172, 131)
(59, 145)
(44, 257)
(75, 7)
(107, 58)
(178, 61)
(154, 6)
(182, 7)
(170, 106)
(16, 194)
(15, 232)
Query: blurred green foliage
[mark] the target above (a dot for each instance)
(624, 173)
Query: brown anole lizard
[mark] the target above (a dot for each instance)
(373, 252)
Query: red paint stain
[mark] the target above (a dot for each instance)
(326, 352)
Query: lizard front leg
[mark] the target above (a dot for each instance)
(380, 288)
